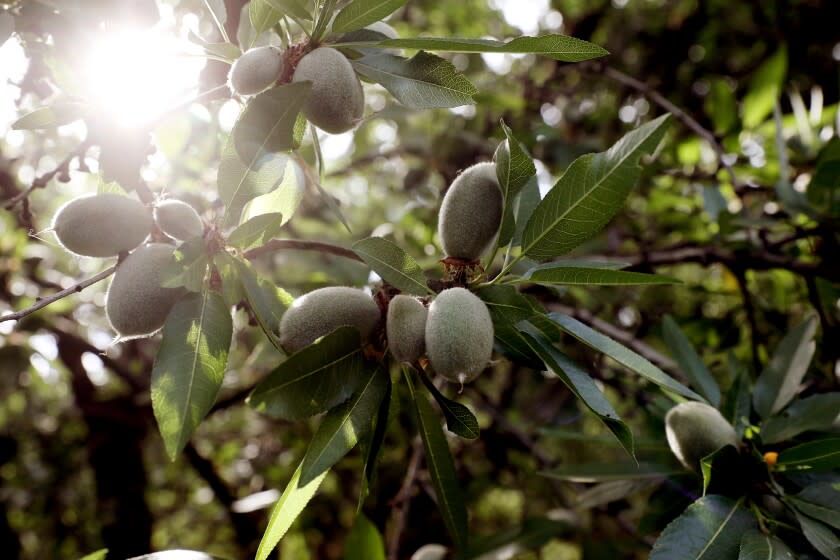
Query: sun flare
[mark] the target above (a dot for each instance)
(134, 77)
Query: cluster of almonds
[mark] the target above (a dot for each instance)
(336, 101)
(455, 332)
(106, 225)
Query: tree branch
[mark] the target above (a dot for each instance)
(43, 302)
(42, 181)
(648, 91)
(301, 245)
(402, 501)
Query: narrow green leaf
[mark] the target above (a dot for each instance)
(295, 8)
(710, 529)
(738, 403)
(818, 412)
(602, 472)
(721, 107)
(314, 379)
(507, 308)
(393, 265)
(263, 15)
(424, 81)
(581, 276)
(621, 354)
(360, 13)
(225, 264)
(377, 438)
(579, 383)
(190, 366)
(323, 19)
(817, 455)
(755, 545)
(226, 52)
(267, 301)
(99, 554)
(286, 510)
(459, 419)
(514, 168)
(780, 380)
(549, 267)
(284, 200)
(239, 183)
(822, 188)
(267, 125)
(611, 491)
(764, 89)
(218, 12)
(188, 267)
(820, 501)
(524, 205)
(558, 47)
(343, 427)
(441, 468)
(58, 114)
(821, 537)
(591, 191)
(256, 232)
(690, 363)
(364, 542)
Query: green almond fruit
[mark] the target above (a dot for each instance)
(471, 213)
(459, 335)
(336, 101)
(102, 225)
(406, 328)
(256, 70)
(136, 304)
(178, 219)
(321, 311)
(695, 430)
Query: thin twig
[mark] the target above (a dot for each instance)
(749, 308)
(651, 93)
(43, 302)
(402, 501)
(42, 181)
(301, 245)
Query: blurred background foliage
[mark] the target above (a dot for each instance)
(81, 463)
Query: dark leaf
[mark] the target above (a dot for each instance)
(591, 191)
(780, 380)
(267, 125)
(459, 419)
(393, 265)
(579, 382)
(441, 468)
(689, 361)
(621, 354)
(755, 545)
(314, 379)
(819, 412)
(710, 529)
(343, 427)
